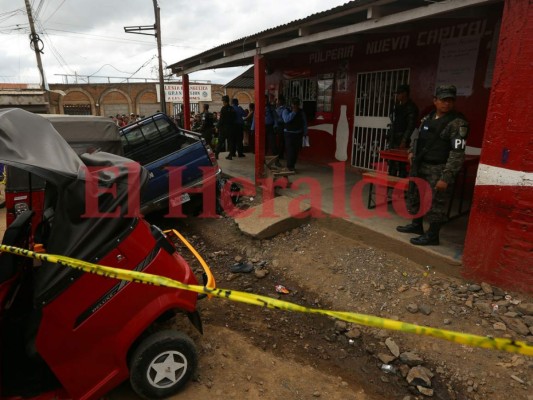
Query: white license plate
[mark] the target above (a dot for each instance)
(177, 200)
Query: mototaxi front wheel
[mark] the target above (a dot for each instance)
(162, 364)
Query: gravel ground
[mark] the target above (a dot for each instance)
(257, 353)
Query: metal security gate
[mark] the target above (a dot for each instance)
(373, 104)
(77, 109)
(194, 107)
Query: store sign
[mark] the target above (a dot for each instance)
(197, 93)
(336, 54)
(428, 37)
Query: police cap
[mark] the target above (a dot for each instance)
(446, 92)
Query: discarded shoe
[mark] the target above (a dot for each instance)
(241, 267)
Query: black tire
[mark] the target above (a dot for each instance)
(174, 351)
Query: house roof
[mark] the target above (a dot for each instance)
(343, 23)
(243, 81)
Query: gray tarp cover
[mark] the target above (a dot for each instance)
(29, 141)
(87, 132)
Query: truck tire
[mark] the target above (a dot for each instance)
(162, 364)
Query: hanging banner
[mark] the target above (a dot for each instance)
(457, 63)
(197, 93)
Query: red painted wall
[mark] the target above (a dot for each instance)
(499, 243)
(416, 46)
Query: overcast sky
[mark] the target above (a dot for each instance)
(86, 37)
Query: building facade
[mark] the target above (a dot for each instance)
(345, 63)
(107, 99)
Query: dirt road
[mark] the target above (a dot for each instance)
(255, 353)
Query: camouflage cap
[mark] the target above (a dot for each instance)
(445, 92)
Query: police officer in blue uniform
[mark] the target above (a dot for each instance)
(295, 128)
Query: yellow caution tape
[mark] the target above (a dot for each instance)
(486, 342)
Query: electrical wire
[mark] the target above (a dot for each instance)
(37, 11)
(55, 52)
(51, 15)
(112, 66)
(10, 14)
(141, 67)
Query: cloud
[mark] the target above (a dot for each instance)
(83, 37)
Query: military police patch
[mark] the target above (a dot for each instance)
(458, 144)
(463, 131)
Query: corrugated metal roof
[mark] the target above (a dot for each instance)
(243, 81)
(352, 19)
(346, 6)
(310, 18)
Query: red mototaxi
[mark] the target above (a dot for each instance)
(71, 334)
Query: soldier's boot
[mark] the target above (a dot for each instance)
(431, 237)
(416, 226)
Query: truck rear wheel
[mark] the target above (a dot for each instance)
(162, 364)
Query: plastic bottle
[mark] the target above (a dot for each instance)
(342, 135)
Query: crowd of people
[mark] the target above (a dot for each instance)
(232, 130)
(435, 150)
(123, 120)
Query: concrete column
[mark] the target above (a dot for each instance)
(259, 116)
(499, 242)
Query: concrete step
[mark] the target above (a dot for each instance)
(272, 217)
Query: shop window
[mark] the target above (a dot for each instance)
(306, 90)
(316, 94)
(324, 100)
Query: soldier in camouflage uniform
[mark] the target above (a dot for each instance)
(404, 118)
(436, 155)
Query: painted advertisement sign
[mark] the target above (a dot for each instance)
(197, 93)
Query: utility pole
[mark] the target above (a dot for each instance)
(157, 28)
(158, 39)
(37, 44)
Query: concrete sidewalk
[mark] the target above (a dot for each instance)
(376, 231)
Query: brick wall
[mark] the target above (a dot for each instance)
(125, 98)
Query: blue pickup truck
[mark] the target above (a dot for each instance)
(158, 144)
(155, 142)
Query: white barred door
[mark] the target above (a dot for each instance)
(373, 104)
